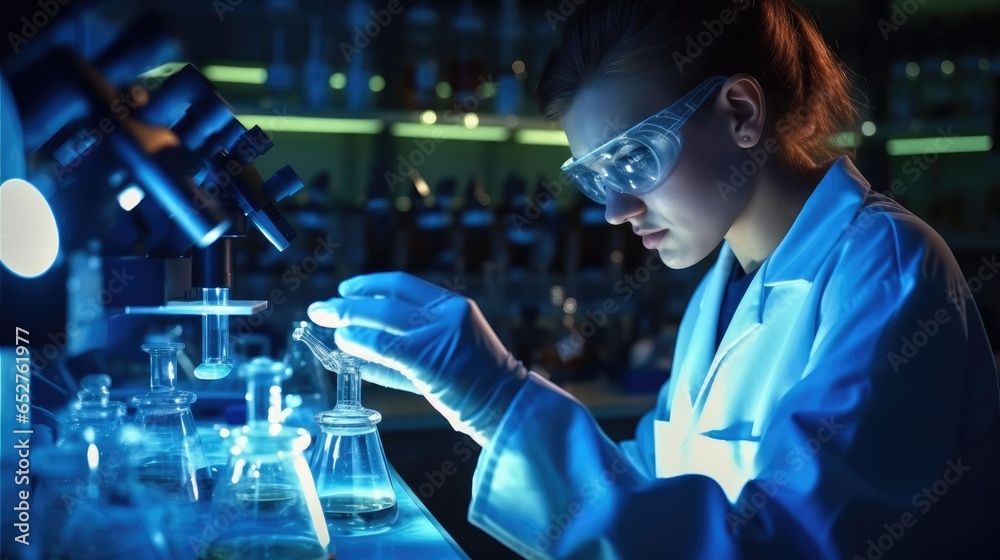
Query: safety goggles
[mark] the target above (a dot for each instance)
(635, 161)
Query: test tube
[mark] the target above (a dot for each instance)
(216, 362)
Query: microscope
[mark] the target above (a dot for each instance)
(152, 184)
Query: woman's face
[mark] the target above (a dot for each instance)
(688, 214)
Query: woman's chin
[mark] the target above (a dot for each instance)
(678, 259)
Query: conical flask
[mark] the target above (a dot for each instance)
(173, 459)
(266, 499)
(264, 378)
(86, 502)
(348, 462)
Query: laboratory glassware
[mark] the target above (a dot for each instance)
(215, 360)
(86, 502)
(309, 390)
(266, 503)
(93, 415)
(348, 462)
(264, 377)
(173, 459)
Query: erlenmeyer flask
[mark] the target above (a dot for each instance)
(267, 502)
(173, 461)
(93, 418)
(86, 499)
(93, 407)
(309, 390)
(348, 462)
(264, 378)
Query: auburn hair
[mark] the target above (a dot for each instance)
(674, 45)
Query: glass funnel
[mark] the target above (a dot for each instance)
(173, 459)
(266, 502)
(348, 462)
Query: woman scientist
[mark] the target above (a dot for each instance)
(833, 392)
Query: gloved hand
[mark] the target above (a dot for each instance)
(427, 339)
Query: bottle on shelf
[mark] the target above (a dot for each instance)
(421, 71)
(477, 222)
(555, 251)
(382, 221)
(511, 69)
(358, 57)
(432, 247)
(315, 71)
(468, 78)
(280, 74)
(522, 228)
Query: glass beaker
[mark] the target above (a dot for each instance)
(266, 502)
(348, 462)
(173, 459)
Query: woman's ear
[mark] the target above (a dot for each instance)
(743, 102)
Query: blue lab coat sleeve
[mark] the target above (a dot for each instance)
(874, 449)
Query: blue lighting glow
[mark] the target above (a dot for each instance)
(29, 238)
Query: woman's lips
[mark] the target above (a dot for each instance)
(652, 239)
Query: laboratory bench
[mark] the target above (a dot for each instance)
(438, 463)
(432, 468)
(415, 534)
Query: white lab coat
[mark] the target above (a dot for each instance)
(855, 377)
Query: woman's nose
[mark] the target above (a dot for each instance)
(620, 207)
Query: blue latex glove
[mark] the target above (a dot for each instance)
(428, 340)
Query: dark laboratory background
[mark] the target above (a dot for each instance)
(418, 142)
